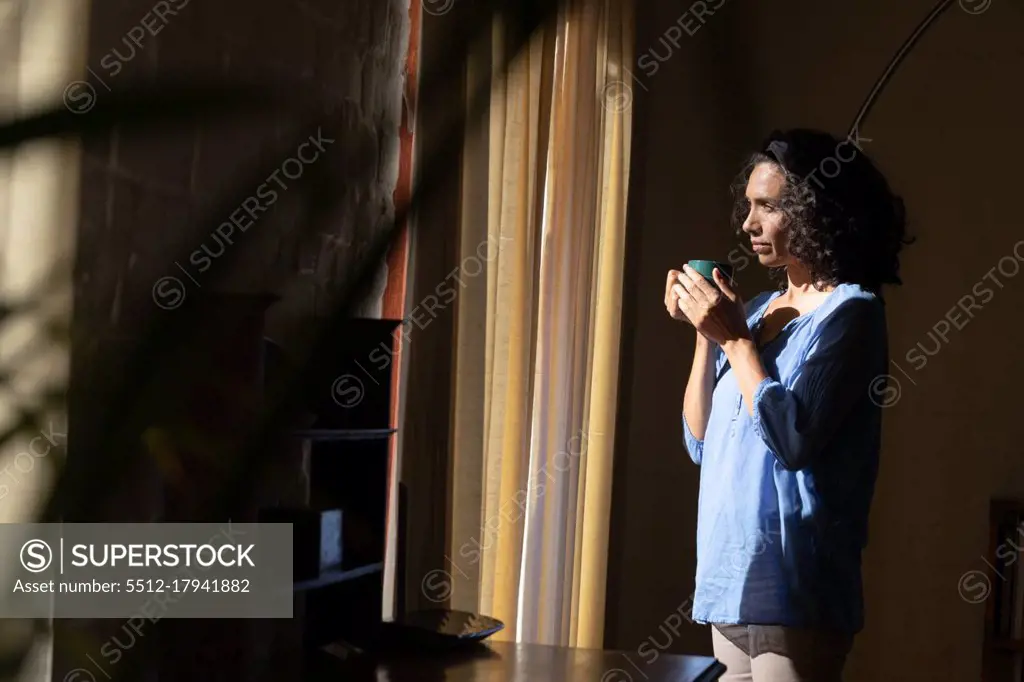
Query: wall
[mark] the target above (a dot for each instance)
(146, 195)
(945, 132)
(41, 48)
(144, 188)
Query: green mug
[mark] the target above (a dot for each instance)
(705, 268)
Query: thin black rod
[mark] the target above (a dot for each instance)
(894, 63)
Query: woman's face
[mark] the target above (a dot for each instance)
(764, 223)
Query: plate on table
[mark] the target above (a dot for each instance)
(438, 629)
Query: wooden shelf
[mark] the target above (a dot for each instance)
(326, 435)
(336, 576)
(1004, 647)
(346, 460)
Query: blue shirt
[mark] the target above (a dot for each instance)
(785, 493)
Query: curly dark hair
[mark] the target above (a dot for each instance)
(844, 222)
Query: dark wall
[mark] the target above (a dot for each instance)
(945, 133)
(142, 189)
(153, 197)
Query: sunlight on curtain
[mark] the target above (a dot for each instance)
(565, 553)
(517, 162)
(531, 501)
(503, 180)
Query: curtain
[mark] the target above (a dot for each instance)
(544, 198)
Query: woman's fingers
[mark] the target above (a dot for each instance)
(678, 295)
(699, 287)
(673, 278)
(688, 280)
(724, 285)
(684, 302)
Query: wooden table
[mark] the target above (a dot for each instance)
(508, 662)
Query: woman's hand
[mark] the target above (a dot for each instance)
(672, 293)
(716, 313)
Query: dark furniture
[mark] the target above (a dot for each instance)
(1000, 584)
(344, 456)
(508, 662)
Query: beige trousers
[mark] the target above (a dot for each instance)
(804, 656)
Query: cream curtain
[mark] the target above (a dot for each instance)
(544, 198)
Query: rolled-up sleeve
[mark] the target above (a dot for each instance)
(841, 360)
(693, 446)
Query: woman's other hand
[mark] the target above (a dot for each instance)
(673, 290)
(718, 314)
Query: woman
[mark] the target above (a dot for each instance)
(780, 409)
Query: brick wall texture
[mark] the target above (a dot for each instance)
(144, 193)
